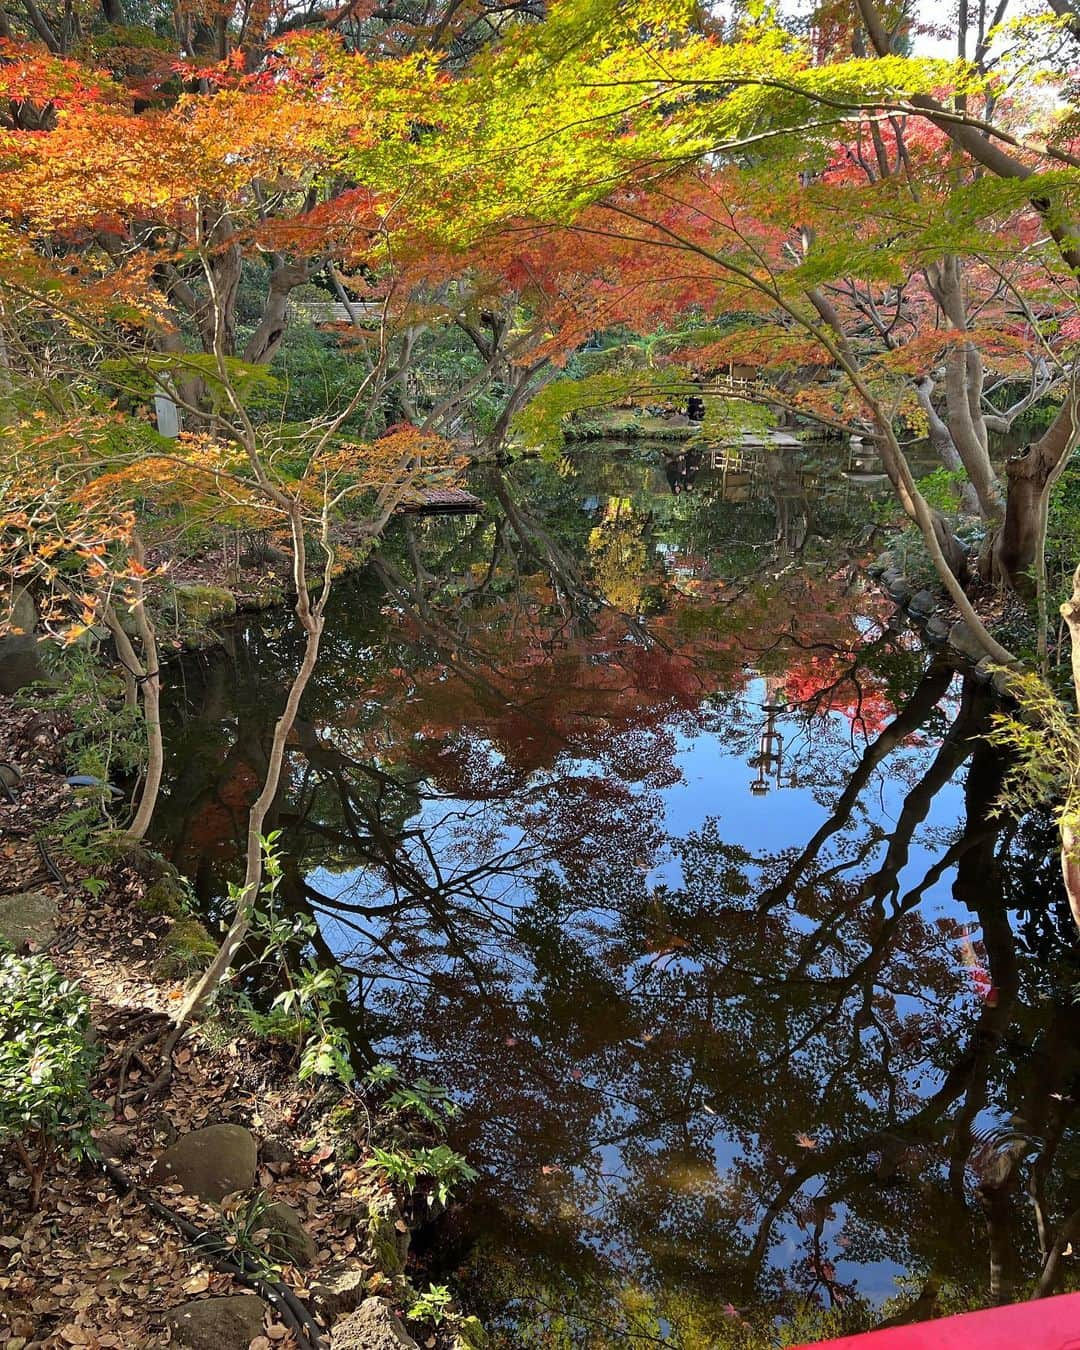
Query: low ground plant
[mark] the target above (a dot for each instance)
(47, 1110)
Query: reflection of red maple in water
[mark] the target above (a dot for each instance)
(535, 696)
(523, 686)
(825, 683)
(219, 822)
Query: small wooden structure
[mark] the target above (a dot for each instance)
(733, 458)
(744, 454)
(736, 385)
(335, 311)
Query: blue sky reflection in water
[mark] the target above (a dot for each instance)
(725, 1057)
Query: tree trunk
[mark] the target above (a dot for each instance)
(1069, 823)
(253, 872)
(1015, 545)
(942, 442)
(951, 547)
(216, 317)
(312, 621)
(1031, 474)
(267, 337)
(146, 675)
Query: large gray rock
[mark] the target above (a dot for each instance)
(20, 655)
(900, 590)
(229, 1323)
(936, 631)
(923, 603)
(28, 917)
(340, 1290)
(210, 1162)
(963, 641)
(287, 1238)
(373, 1326)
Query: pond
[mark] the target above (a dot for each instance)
(636, 822)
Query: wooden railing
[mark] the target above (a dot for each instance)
(734, 459)
(730, 387)
(333, 311)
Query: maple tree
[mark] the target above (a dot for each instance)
(884, 238)
(448, 201)
(132, 220)
(313, 161)
(822, 198)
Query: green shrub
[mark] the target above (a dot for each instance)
(432, 1305)
(302, 1011)
(942, 488)
(407, 1168)
(46, 1108)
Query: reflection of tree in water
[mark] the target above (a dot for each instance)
(696, 1074)
(744, 1085)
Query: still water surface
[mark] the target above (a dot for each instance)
(647, 836)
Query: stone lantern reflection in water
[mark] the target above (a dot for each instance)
(769, 760)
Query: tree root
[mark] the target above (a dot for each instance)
(130, 1053)
(127, 1022)
(119, 1066)
(158, 1085)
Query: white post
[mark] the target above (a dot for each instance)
(168, 416)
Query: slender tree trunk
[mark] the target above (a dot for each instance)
(935, 528)
(312, 621)
(963, 388)
(145, 675)
(1069, 825)
(151, 699)
(942, 442)
(253, 872)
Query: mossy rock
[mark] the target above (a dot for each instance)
(203, 604)
(186, 948)
(348, 1151)
(341, 1125)
(469, 1334)
(268, 597)
(389, 1246)
(341, 1117)
(167, 895)
(286, 1237)
(28, 917)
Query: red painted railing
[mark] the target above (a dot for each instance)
(1047, 1324)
